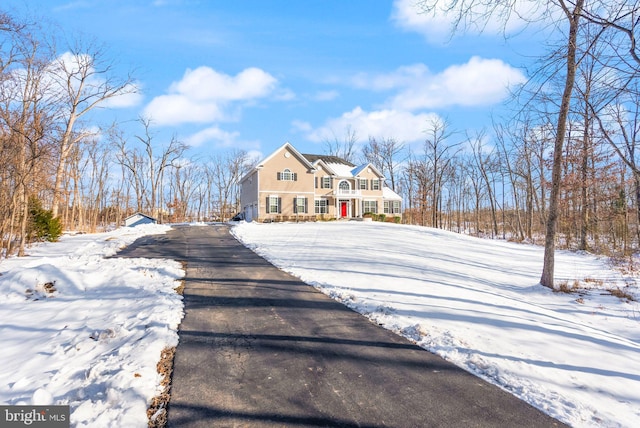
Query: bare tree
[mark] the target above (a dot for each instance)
(383, 154)
(342, 148)
(439, 153)
(621, 17)
(226, 171)
(483, 163)
(85, 79)
(157, 165)
(25, 123)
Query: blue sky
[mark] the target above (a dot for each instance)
(253, 74)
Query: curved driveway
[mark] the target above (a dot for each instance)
(260, 348)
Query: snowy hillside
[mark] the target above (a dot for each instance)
(478, 304)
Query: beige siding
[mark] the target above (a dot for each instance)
(286, 190)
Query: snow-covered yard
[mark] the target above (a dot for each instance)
(94, 343)
(478, 304)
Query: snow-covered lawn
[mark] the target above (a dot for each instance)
(94, 343)
(478, 304)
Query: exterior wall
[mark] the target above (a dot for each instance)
(369, 195)
(248, 196)
(285, 190)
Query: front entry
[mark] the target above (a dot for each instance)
(344, 207)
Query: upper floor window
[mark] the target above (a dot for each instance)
(375, 184)
(363, 183)
(344, 185)
(326, 182)
(287, 175)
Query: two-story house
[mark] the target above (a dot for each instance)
(288, 185)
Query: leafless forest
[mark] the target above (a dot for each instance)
(563, 164)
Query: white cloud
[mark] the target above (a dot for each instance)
(203, 95)
(437, 24)
(131, 96)
(212, 134)
(204, 83)
(388, 123)
(177, 108)
(219, 138)
(478, 82)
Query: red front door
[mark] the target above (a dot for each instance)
(343, 209)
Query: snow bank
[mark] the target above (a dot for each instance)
(94, 339)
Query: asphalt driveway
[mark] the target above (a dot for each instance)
(260, 348)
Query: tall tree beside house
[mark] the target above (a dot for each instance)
(385, 154)
(226, 172)
(345, 147)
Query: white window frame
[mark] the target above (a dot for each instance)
(286, 175)
(301, 206)
(321, 206)
(369, 204)
(271, 204)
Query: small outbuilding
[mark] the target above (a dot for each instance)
(138, 219)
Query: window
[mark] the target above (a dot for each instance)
(375, 184)
(287, 175)
(392, 207)
(344, 186)
(322, 207)
(326, 182)
(362, 184)
(273, 205)
(370, 207)
(299, 205)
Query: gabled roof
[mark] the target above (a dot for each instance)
(322, 164)
(328, 159)
(333, 164)
(140, 214)
(287, 146)
(361, 168)
(389, 194)
(339, 166)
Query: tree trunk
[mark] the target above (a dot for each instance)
(547, 278)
